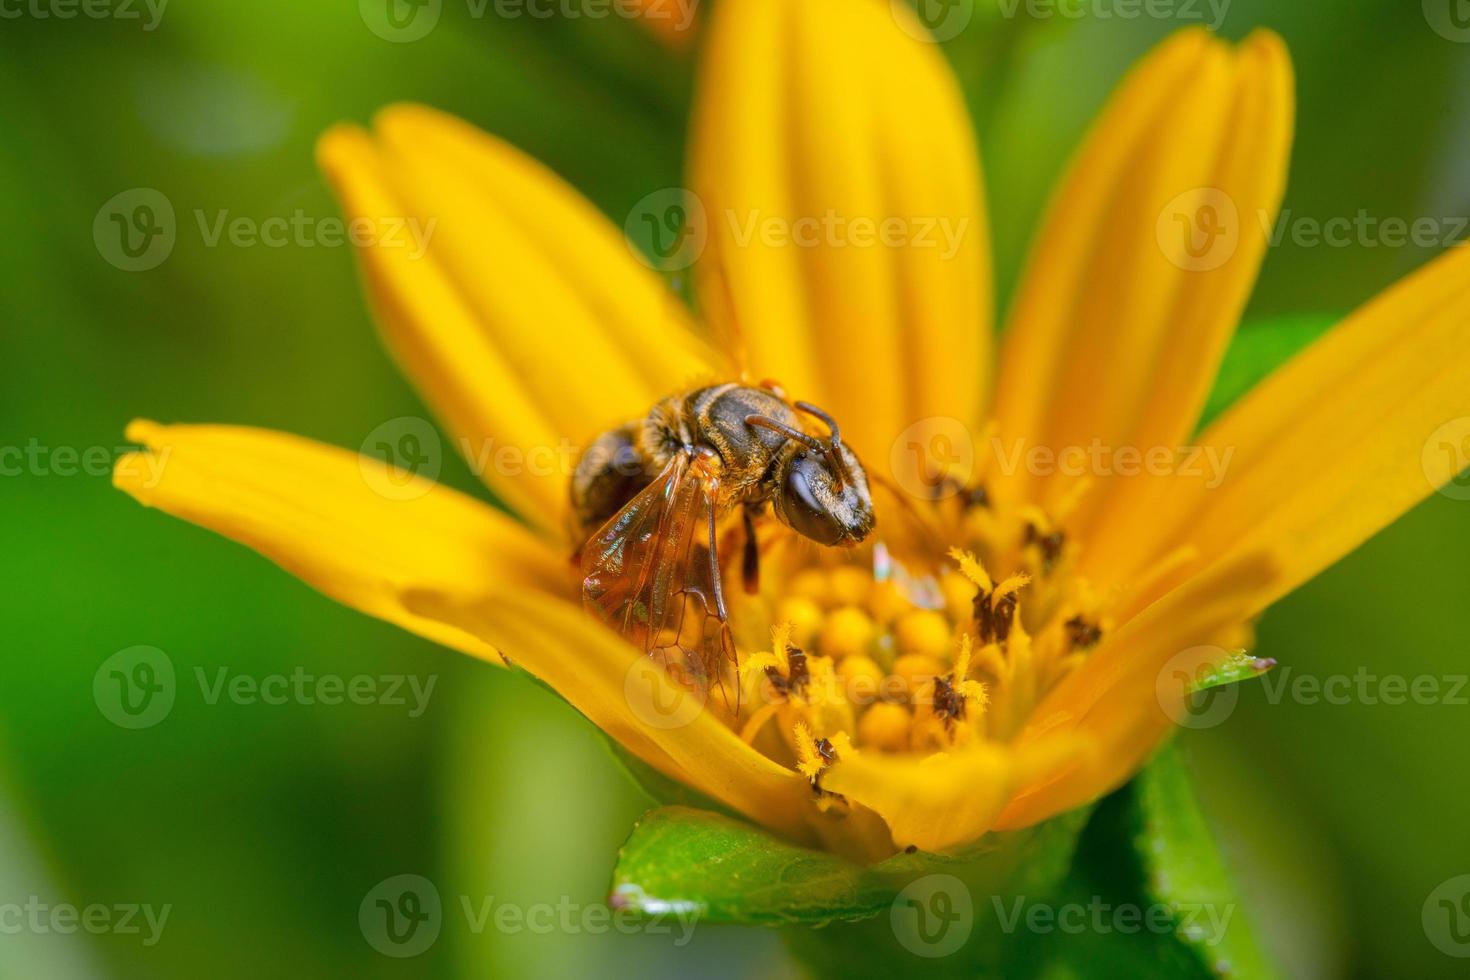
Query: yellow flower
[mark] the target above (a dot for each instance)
(996, 660)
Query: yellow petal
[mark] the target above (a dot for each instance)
(343, 523)
(1338, 442)
(447, 567)
(1119, 703)
(940, 802)
(818, 125)
(617, 324)
(526, 323)
(631, 698)
(1120, 321)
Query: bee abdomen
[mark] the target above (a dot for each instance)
(609, 473)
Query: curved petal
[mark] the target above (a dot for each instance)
(1146, 258)
(440, 564)
(345, 524)
(516, 308)
(946, 800)
(1341, 440)
(835, 161)
(1119, 703)
(631, 698)
(1089, 735)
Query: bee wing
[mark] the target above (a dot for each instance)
(652, 571)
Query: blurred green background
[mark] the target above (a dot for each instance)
(263, 827)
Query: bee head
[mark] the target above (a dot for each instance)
(823, 492)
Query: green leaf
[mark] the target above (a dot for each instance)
(687, 860)
(1151, 892)
(692, 862)
(1239, 666)
(842, 918)
(1183, 870)
(1258, 349)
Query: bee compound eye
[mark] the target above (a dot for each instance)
(803, 510)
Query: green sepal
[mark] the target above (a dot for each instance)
(726, 870)
(695, 862)
(1183, 869)
(1149, 853)
(1239, 666)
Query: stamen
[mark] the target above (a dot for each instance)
(815, 755)
(810, 760)
(976, 497)
(971, 568)
(995, 611)
(1084, 635)
(797, 673)
(912, 660)
(954, 694)
(1050, 545)
(949, 704)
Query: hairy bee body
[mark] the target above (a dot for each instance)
(648, 497)
(623, 461)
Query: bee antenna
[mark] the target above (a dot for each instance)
(827, 420)
(763, 422)
(834, 443)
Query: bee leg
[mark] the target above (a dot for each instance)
(714, 564)
(750, 560)
(724, 643)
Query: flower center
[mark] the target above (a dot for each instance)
(949, 628)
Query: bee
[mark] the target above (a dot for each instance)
(647, 498)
